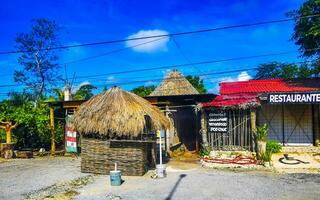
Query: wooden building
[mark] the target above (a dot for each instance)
(289, 107)
(177, 98)
(118, 127)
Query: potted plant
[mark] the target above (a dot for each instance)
(261, 136)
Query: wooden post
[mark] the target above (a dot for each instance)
(253, 122)
(167, 132)
(204, 129)
(53, 144)
(197, 127)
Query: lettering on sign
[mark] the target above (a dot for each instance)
(217, 121)
(287, 98)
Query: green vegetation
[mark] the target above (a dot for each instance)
(307, 36)
(307, 30)
(205, 151)
(262, 133)
(286, 70)
(84, 92)
(143, 91)
(197, 83)
(32, 129)
(266, 156)
(273, 146)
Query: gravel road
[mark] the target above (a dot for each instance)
(208, 184)
(19, 177)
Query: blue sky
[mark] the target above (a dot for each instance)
(93, 21)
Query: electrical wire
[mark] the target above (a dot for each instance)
(167, 35)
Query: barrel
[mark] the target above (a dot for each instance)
(115, 178)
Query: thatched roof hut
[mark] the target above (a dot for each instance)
(116, 113)
(174, 84)
(112, 125)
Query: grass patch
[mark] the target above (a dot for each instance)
(60, 191)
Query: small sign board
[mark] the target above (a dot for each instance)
(217, 121)
(294, 98)
(71, 141)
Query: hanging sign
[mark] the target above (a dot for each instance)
(71, 140)
(217, 121)
(291, 98)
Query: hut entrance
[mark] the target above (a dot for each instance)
(238, 134)
(186, 126)
(177, 98)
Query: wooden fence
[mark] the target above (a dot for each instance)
(239, 135)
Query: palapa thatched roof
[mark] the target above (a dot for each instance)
(116, 113)
(174, 84)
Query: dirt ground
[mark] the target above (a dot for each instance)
(18, 178)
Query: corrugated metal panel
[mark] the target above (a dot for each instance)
(293, 126)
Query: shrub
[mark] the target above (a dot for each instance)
(262, 132)
(205, 151)
(266, 157)
(273, 146)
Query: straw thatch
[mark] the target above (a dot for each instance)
(116, 113)
(174, 84)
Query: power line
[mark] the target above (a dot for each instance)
(110, 52)
(183, 55)
(168, 35)
(182, 78)
(208, 73)
(194, 63)
(182, 65)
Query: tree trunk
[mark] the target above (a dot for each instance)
(9, 138)
(204, 129)
(253, 123)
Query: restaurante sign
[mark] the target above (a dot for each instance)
(277, 98)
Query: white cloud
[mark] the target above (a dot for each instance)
(244, 76)
(152, 44)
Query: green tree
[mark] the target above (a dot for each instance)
(84, 92)
(38, 57)
(307, 30)
(143, 91)
(197, 83)
(59, 93)
(30, 122)
(284, 70)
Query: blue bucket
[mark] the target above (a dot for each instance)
(115, 178)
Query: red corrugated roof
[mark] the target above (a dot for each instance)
(246, 92)
(232, 100)
(260, 86)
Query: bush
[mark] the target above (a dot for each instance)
(266, 157)
(262, 132)
(205, 151)
(273, 146)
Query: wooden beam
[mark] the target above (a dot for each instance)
(253, 123)
(203, 129)
(53, 144)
